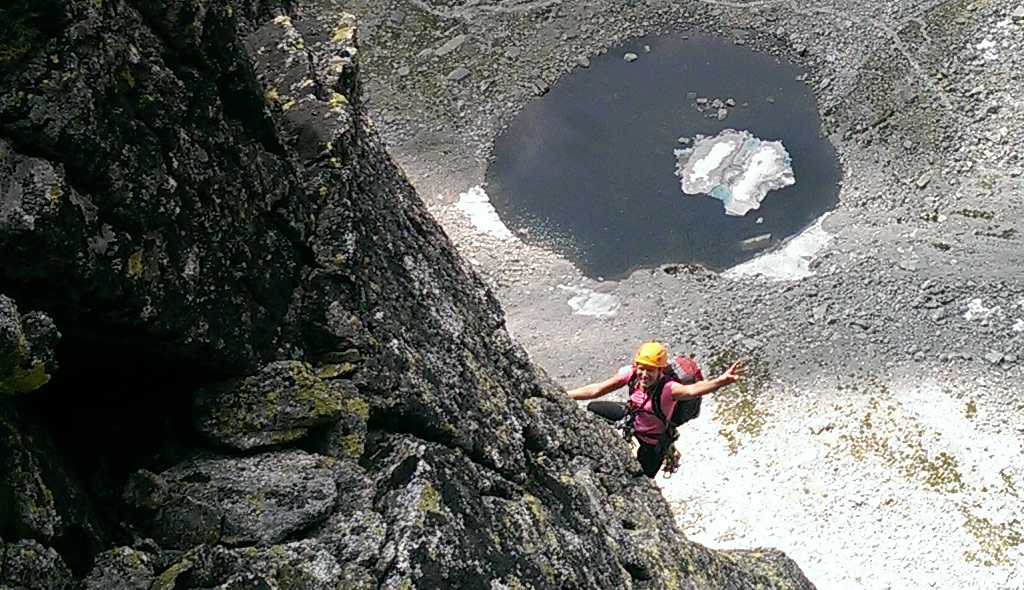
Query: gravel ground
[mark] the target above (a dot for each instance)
(878, 440)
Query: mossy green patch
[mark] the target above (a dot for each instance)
(24, 380)
(898, 443)
(168, 579)
(256, 502)
(343, 33)
(430, 499)
(135, 264)
(740, 407)
(357, 407)
(536, 508)
(995, 540)
(313, 393)
(940, 471)
(351, 445)
(336, 370)
(53, 195)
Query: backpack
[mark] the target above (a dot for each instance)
(685, 371)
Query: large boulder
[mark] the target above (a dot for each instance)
(27, 345)
(28, 565)
(302, 565)
(277, 405)
(299, 565)
(236, 500)
(121, 568)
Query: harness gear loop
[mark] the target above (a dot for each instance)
(626, 424)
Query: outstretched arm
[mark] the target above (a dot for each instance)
(596, 389)
(730, 375)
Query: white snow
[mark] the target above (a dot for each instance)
(988, 49)
(976, 310)
(790, 262)
(849, 498)
(591, 303)
(476, 205)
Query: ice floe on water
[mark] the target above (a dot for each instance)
(476, 205)
(591, 303)
(792, 261)
(734, 167)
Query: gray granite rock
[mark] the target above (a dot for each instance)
(27, 344)
(199, 183)
(121, 568)
(277, 405)
(239, 501)
(28, 565)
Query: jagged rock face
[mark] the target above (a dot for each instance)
(277, 405)
(28, 564)
(239, 501)
(196, 182)
(148, 180)
(26, 348)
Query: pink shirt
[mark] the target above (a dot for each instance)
(648, 427)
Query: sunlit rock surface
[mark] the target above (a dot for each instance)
(734, 167)
(196, 186)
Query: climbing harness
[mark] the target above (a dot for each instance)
(626, 424)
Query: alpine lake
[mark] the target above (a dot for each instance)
(588, 169)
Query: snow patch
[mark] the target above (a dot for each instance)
(476, 205)
(791, 262)
(836, 504)
(976, 310)
(988, 49)
(591, 303)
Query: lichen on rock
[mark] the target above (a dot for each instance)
(277, 405)
(240, 501)
(27, 345)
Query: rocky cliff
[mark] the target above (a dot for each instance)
(237, 352)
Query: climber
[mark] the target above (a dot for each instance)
(643, 416)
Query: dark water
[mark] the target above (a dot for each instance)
(588, 169)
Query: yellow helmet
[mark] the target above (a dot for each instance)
(652, 354)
